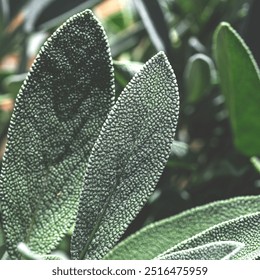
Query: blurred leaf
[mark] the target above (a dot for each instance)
(156, 238)
(244, 229)
(156, 26)
(250, 32)
(211, 251)
(12, 84)
(240, 83)
(179, 149)
(15, 7)
(4, 14)
(199, 76)
(2, 239)
(57, 118)
(124, 71)
(127, 39)
(134, 144)
(256, 162)
(55, 13)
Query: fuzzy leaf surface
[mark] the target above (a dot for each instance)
(155, 239)
(127, 159)
(244, 229)
(58, 115)
(240, 83)
(210, 251)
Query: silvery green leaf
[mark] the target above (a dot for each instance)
(156, 238)
(27, 254)
(244, 229)
(211, 251)
(127, 159)
(58, 115)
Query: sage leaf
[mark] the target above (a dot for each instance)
(200, 75)
(244, 229)
(240, 83)
(27, 254)
(210, 251)
(58, 115)
(127, 159)
(156, 238)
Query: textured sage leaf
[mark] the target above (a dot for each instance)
(210, 251)
(58, 115)
(127, 159)
(27, 254)
(240, 83)
(158, 237)
(199, 75)
(245, 229)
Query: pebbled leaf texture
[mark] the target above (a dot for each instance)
(155, 239)
(58, 115)
(245, 229)
(127, 159)
(211, 251)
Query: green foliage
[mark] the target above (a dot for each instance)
(200, 75)
(240, 83)
(213, 222)
(57, 134)
(211, 251)
(256, 162)
(2, 241)
(58, 114)
(132, 150)
(154, 20)
(244, 229)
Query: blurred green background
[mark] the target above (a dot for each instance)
(208, 162)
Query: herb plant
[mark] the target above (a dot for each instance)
(78, 161)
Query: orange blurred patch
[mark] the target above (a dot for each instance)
(9, 62)
(7, 105)
(108, 7)
(17, 21)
